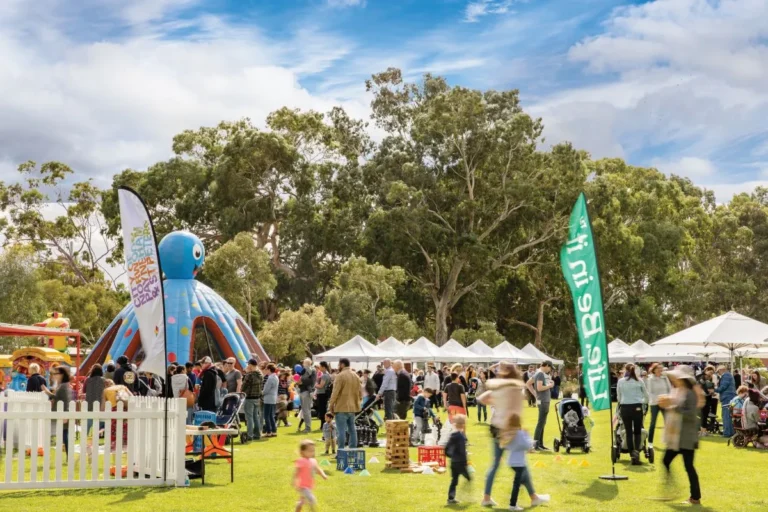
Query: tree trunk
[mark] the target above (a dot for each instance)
(539, 325)
(441, 322)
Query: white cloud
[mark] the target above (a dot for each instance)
(345, 3)
(105, 105)
(479, 8)
(689, 75)
(724, 192)
(688, 166)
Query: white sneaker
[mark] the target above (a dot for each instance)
(488, 503)
(515, 508)
(540, 500)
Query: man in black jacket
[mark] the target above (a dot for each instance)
(403, 393)
(125, 376)
(208, 386)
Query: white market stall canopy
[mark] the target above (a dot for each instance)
(358, 349)
(481, 349)
(391, 345)
(534, 352)
(505, 351)
(730, 331)
(619, 352)
(640, 346)
(420, 351)
(454, 351)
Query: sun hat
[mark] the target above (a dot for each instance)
(683, 372)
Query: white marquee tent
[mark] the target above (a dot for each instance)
(481, 349)
(358, 349)
(454, 351)
(534, 352)
(505, 351)
(392, 346)
(421, 350)
(640, 346)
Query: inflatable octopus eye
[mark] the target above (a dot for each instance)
(197, 252)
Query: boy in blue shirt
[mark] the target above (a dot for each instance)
(422, 411)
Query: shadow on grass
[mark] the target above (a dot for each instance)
(131, 494)
(601, 490)
(699, 508)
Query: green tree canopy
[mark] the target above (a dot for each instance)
(461, 189)
(241, 273)
(298, 334)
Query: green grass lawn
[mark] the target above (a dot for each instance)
(731, 480)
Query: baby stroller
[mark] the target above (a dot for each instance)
(620, 443)
(472, 393)
(227, 415)
(367, 425)
(573, 431)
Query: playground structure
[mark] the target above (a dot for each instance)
(189, 305)
(47, 358)
(56, 321)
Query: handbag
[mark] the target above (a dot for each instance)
(189, 397)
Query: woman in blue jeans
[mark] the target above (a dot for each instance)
(657, 385)
(505, 395)
(270, 401)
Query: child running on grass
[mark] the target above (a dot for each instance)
(304, 479)
(520, 444)
(456, 450)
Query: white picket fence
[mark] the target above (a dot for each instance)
(28, 425)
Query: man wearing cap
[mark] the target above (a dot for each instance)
(208, 385)
(253, 387)
(125, 375)
(232, 376)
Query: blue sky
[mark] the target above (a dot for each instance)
(105, 84)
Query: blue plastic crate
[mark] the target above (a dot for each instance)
(200, 418)
(354, 458)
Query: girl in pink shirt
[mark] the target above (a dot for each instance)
(304, 479)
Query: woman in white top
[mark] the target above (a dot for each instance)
(505, 396)
(657, 385)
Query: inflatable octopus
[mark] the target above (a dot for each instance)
(189, 305)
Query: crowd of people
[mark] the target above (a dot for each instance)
(687, 397)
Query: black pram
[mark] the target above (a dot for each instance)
(367, 425)
(573, 431)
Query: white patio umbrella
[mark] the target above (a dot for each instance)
(730, 331)
(533, 351)
(480, 348)
(358, 349)
(505, 351)
(683, 354)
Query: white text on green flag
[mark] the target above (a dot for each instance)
(578, 260)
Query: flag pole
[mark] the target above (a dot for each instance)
(167, 384)
(613, 476)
